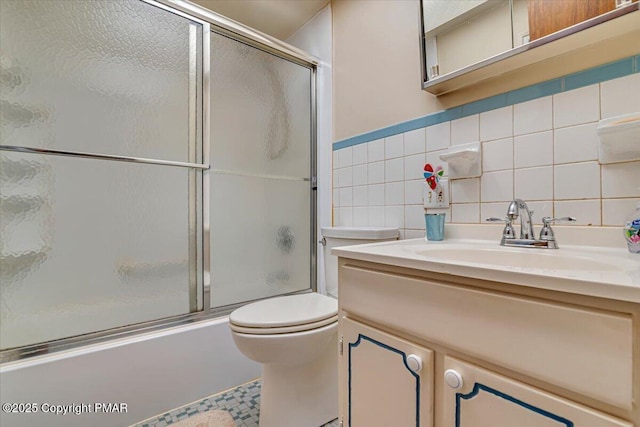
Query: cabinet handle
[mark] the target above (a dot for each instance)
(414, 362)
(453, 379)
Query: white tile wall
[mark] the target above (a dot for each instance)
(496, 124)
(497, 155)
(543, 151)
(576, 106)
(534, 149)
(534, 183)
(616, 96)
(465, 130)
(575, 144)
(415, 142)
(394, 146)
(532, 116)
(438, 136)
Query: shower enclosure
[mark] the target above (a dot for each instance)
(157, 168)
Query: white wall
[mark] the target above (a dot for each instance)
(315, 38)
(543, 151)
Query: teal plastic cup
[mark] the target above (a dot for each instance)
(435, 226)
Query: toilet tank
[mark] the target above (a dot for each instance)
(347, 236)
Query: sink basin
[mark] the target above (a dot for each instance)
(543, 259)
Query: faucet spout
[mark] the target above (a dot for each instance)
(526, 223)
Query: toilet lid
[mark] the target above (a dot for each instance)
(291, 310)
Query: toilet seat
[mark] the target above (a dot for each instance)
(287, 314)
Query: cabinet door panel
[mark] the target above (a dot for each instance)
(487, 399)
(379, 388)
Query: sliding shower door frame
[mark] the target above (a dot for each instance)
(199, 184)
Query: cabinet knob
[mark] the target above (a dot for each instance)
(453, 379)
(414, 362)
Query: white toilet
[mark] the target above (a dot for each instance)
(295, 338)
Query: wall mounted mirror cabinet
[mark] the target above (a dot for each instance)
(466, 41)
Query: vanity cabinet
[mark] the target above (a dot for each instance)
(492, 354)
(389, 380)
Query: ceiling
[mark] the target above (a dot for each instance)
(278, 18)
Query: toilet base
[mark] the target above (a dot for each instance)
(302, 395)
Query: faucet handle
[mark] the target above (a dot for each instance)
(508, 232)
(547, 232)
(548, 220)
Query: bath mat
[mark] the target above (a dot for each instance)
(208, 419)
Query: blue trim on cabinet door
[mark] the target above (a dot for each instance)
(476, 389)
(406, 365)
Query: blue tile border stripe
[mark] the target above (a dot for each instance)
(612, 70)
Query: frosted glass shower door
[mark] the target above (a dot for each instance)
(261, 195)
(97, 231)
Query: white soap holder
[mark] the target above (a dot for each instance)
(619, 138)
(464, 160)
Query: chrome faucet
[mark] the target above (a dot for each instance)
(526, 224)
(518, 208)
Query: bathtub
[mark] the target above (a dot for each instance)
(123, 381)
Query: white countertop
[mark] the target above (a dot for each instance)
(586, 270)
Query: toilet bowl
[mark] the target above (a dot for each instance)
(295, 338)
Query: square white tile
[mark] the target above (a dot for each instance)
(413, 192)
(376, 216)
(534, 183)
(345, 177)
(394, 216)
(376, 195)
(375, 150)
(534, 149)
(360, 175)
(533, 116)
(394, 193)
(360, 217)
(496, 186)
(361, 195)
(360, 154)
(466, 129)
(375, 172)
(621, 180)
(345, 157)
(414, 166)
(465, 190)
(576, 106)
(336, 197)
(415, 142)
(346, 217)
(586, 212)
(497, 155)
(394, 170)
(334, 158)
(414, 217)
(335, 181)
(616, 96)
(615, 211)
(575, 144)
(346, 197)
(468, 213)
(576, 181)
(394, 146)
(496, 124)
(438, 136)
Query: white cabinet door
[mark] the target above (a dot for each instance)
(486, 399)
(385, 381)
